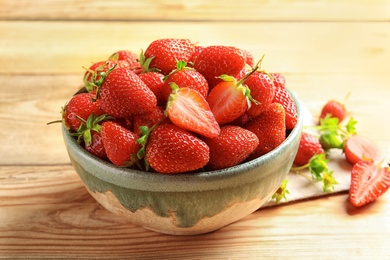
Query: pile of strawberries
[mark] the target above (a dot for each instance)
(180, 107)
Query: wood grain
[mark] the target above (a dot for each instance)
(54, 209)
(196, 10)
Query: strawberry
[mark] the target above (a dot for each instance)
(368, 182)
(127, 56)
(78, 109)
(149, 120)
(184, 76)
(270, 129)
(96, 146)
(123, 94)
(358, 147)
(279, 80)
(283, 97)
(194, 55)
(229, 99)
(333, 108)
(214, 61)
(262, 90)
(231, 147)
(167, 52)
(171, 149)
(188, 109)
(309, 146)
(154, 81)
(248, 58)
(120, 144)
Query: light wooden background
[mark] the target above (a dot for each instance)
(326, 49)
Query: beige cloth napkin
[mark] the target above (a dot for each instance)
(302, 187)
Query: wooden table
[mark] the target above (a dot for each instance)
(326, 49)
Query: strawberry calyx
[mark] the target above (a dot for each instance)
(145, 63)
(98, 78)
(92, 123)
(318, 168)
(333, 134)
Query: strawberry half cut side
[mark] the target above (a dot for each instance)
(368, 182)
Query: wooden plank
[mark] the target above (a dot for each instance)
(47, 213)
(196, 10)
(64, 47)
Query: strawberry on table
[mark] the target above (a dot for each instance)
(214, 61)
(333, 108)
(167, 52)
(270, 129)
(231, 147)
(120, 144)
(123, 94)
(188, 109)
(368, 182)
(171, 149)
(358, 147)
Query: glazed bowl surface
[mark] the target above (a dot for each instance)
(188, 203)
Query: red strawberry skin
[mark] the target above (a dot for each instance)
(262, 90)
(154, 81)
(213, 61)
(96, 147)
(127, 56)
(171, 149)
(231, 147)
(187, 77)
(368, 182)
(123, 94)
(309, 145)
(149, 120)
(167, 52)
(119, 143)
(270, 129)
(80, 105)
(333, 108)
(283, 97)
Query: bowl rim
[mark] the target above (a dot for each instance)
(153, 181)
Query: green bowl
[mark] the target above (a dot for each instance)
(190, 203)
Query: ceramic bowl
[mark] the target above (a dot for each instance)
(190, 203)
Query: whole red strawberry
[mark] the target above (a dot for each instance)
(214, 61)
(270, 129)
(120, 144)
(333, 108)
(231, 147)
(368, 182)
(283, 97)
(279, 80)
(96, 146)
(185, 76)
(309, 146)
(198, 49)
(188, 109)
(262, 90)
(79, 108)
(171, 149)
(167, 52)
(123, 94)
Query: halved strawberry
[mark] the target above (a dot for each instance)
(358, 147)
(188, 109)
(368, 182)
